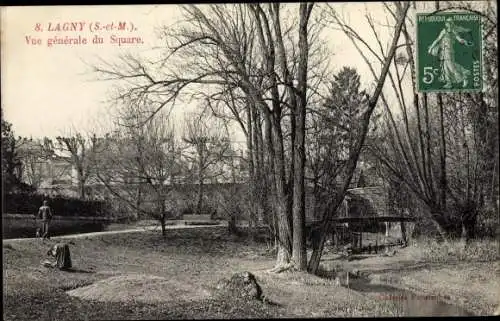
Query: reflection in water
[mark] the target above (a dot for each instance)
(407, 303)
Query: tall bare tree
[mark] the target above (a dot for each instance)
(141, 158)
(36, 155)
(260, 54)
(212, 49)
(82, 149)
(415, 149)
(208, 148)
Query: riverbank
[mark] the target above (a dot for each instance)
(469, 278)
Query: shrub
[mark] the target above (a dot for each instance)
(487, 223)
(28, 203)
(202, 223)
(21, 228)
(477, 250)
(191, 209)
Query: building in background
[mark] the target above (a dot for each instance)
(47, 170)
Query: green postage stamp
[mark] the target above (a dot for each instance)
(449, 52)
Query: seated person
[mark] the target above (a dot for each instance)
(60, 252)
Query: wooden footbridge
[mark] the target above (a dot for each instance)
(342, 231)
(367, 219)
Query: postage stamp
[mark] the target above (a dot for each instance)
(449, 52)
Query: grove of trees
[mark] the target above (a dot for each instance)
(264, 69)
(261, 66)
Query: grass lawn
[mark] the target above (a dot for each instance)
(142, 276)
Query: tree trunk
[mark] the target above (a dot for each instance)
(81, 190)
(318, 247)
(403, 233)
(263, 181)
(447, 228)
(299, 255)
(163, 224)
(284, 225)
(231, 226)
(138, 202)
(442, 149)
(199, 203)
(264, 169)
(269, 175)
(252, 170)
(284, 233)
(281, 199)
(442, 145)
(469, 221)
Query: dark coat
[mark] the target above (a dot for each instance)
(62, 255)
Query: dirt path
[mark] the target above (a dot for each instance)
(134, 230)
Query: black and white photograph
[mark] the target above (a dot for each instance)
(250, 160)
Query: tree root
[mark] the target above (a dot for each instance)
(289, 267)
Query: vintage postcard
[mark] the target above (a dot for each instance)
(250, 160)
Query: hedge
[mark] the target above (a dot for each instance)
(29, 203)
(22, 228)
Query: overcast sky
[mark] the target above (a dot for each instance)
(47, 90)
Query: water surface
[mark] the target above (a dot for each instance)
(407, 303)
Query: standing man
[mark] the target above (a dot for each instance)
(45, 214)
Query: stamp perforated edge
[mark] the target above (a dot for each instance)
(482, 47)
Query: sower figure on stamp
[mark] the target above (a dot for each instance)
(451, 71)
(45, 215)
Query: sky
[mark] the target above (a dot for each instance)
(46, 91)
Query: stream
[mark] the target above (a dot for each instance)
(407, 303)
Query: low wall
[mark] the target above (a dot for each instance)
(21, 225)
(201, 219)
(194, 217)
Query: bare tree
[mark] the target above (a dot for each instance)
(232, 200)
(207, 151)
(415, 149)
(82, 149)
(141, 162)
(36, 156)
(252, 51)
(210, 49)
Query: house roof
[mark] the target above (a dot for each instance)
(61, 153)
(372, 201)
(365, 175)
